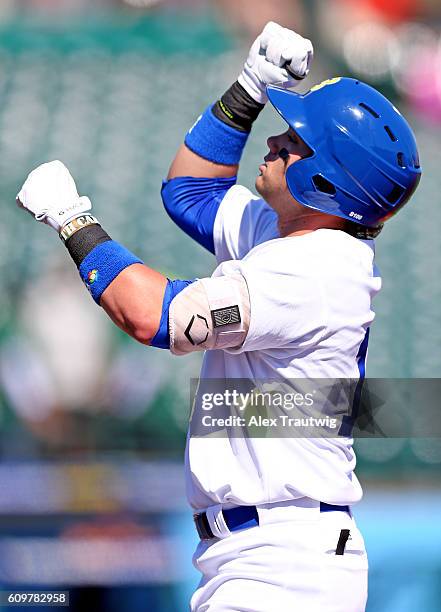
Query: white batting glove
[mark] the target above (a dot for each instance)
(278, 55)
(50, 195)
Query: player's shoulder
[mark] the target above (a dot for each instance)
(241, 193)
(322, 250)
(343, 247)
(239, 201)
(323, 241)
(243, 220)
(240, 198)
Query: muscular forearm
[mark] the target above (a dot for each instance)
(133, 301)
(131, 293)
(213, 146)
(188, 163)
(134, 296)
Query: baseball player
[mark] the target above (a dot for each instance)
(290, 299)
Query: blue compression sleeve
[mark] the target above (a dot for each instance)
(193, 203)
(162, 337)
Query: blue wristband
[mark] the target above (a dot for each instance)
(103, 264)
(216, 141)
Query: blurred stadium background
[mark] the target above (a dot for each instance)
(92, 426)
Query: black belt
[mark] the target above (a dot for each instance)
(244, 517)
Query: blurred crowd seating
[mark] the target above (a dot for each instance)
(112, 95)
(113, 100)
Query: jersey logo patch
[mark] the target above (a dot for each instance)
(225, 316)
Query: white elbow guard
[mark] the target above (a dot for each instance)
(212, 313)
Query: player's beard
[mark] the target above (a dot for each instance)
(271, 186)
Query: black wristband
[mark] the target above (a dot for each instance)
(237, 108)
(83, 241)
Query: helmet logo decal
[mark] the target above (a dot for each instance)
(325, 83)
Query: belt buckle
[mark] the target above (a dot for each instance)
(202, 526)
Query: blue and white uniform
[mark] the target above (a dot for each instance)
(310, 312)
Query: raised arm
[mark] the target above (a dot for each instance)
(212, 313)
(134, 296)
(213, 146)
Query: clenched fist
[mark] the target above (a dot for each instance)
(278, 55)
(50, 195)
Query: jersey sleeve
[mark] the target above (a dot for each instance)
(192, 203)
(243, 221)
(173, 288)
(287, 310)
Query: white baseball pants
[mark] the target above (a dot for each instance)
(286, 564)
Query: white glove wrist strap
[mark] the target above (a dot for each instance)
(75, 224)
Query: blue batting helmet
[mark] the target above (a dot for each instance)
(364, 164)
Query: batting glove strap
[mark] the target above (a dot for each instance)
(74, 225)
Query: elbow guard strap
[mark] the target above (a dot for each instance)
(213, 313)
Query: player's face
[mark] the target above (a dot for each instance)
(284, 150)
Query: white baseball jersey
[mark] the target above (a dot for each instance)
(310, 299)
